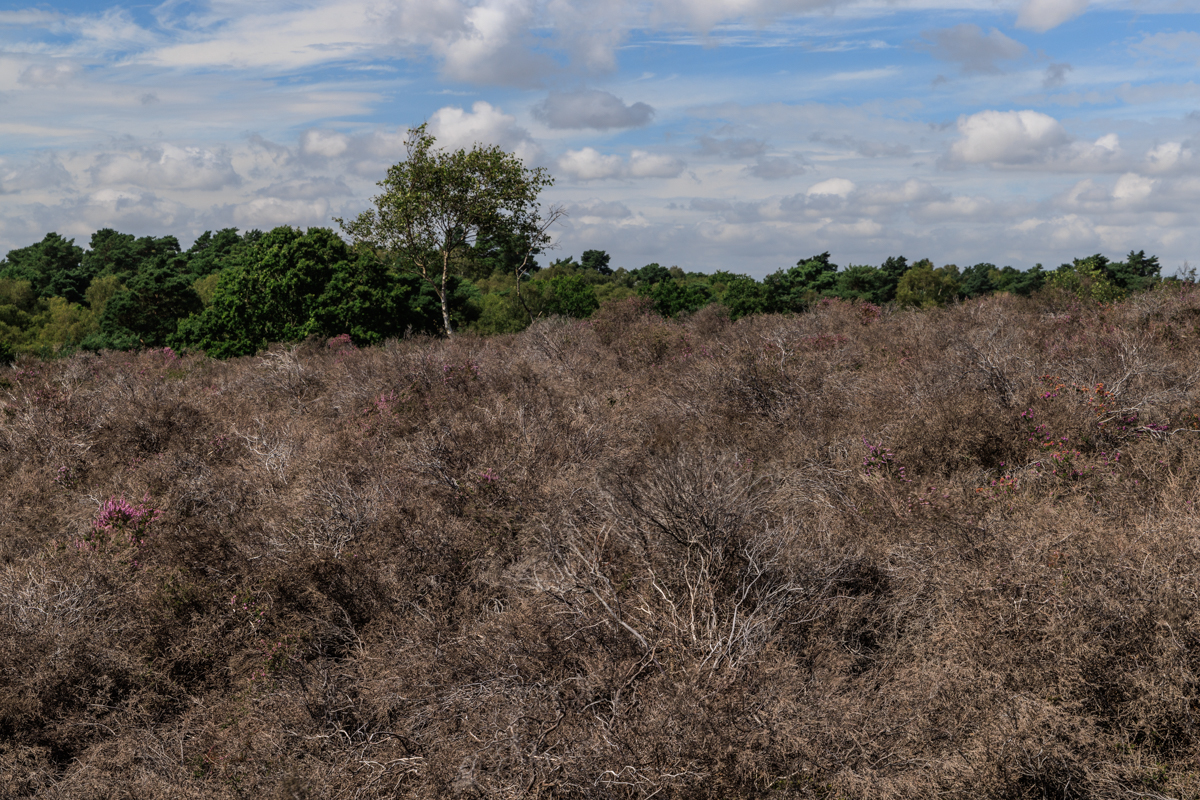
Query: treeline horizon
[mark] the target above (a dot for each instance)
(234, 293)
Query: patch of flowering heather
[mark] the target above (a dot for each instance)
(882, 460)
(119, 520)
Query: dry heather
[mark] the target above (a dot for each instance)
(850, 554)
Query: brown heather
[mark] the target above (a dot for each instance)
(847, 554)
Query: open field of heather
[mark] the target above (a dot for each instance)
(850, 553)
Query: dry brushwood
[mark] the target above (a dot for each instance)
(896, 554)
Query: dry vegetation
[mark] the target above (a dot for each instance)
(847, 554)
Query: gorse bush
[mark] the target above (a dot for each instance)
(860, 552)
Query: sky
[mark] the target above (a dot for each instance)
(741, 135)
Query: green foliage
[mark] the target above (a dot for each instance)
(1020, 282)
(596, 260)
(67, 324)
(268, 294)
(674, 297)
(20, 312)
(147, 311)
(438, 204)
(499, 252)
(288, 285)
(210, 251)
(53, 267)
(1087, 279)
(100, 291)
(925, 287)
(740, 294)
(650, 275)
(234, 293)
(206, 287)
(124, 255)
(801, 285)
(571, 296)
(1137, 273)
(864, 282)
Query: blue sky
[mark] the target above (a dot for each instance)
(711, 134)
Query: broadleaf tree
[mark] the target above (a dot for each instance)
(436, 204)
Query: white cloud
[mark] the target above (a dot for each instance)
(270, 212)
(127, 210)
(327, 144)
(1168, 157)
(484, 124)
(34, 175)
(48, 74)
(839, 187)
(912, 190)
(1042, 15)
(1131, 189)
(1007, 137)
(654, 165)
(591, 108)
(165, 166)
(1069, 232)
(601, 209)
(588, 164)
(493, 46)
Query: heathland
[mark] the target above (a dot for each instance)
(855, 552)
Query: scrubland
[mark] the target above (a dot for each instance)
(852, 553)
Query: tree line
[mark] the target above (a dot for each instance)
(450, 244)
(232, 293)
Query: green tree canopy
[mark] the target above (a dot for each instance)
(437, 204)
(596, 260)
(147, 311)
(290, 284)
(796, 288)
(52, 267)
(923, 286)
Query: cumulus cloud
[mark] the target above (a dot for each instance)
(1068, 232)
(970, 48)
(1007, 137)
(326, 144)
(124, 209)
(1042, 15)
(165, 166)
(589, 164)
(34, 175)
(270, 212)
(367, 154)
(1169, 157)
(591, 108)
(484, 124)
(839, 187)
(892, 193)
(654, 165)
(1131, 189)
(610, 209)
